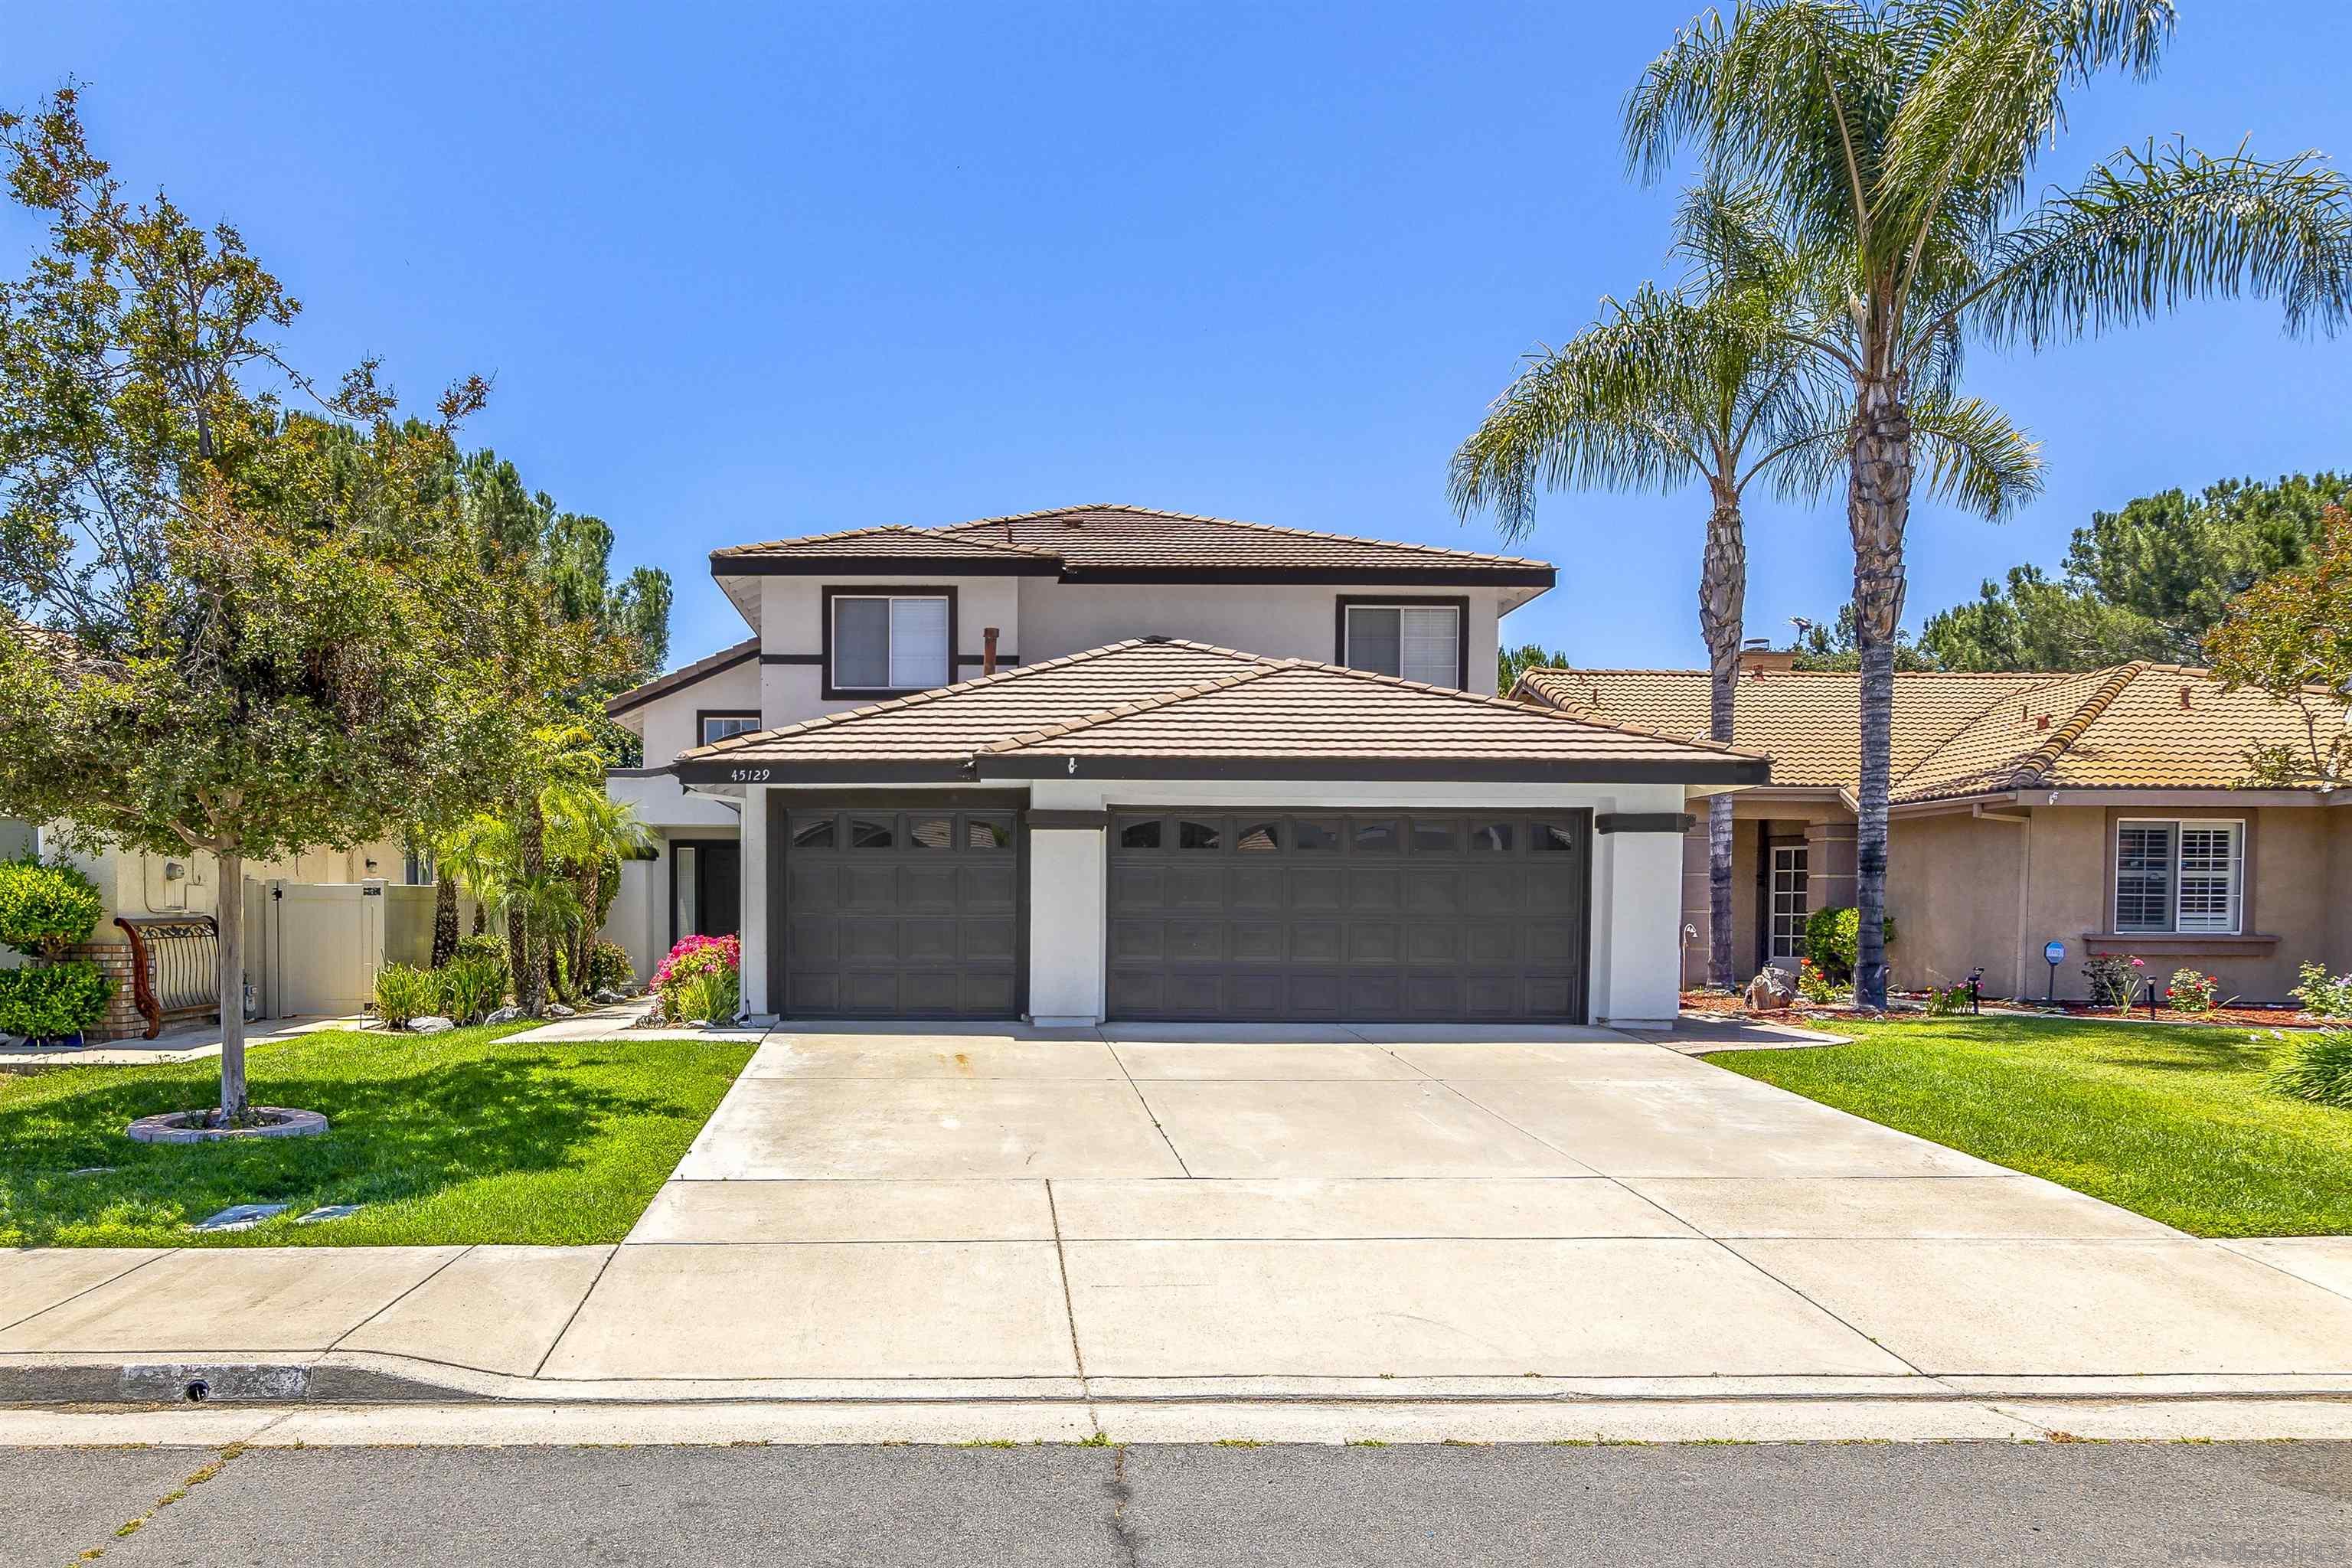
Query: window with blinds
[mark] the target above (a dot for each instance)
(2185, 876)
(1417, 642)
(889, 642)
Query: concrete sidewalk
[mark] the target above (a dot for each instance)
(1447, 1232)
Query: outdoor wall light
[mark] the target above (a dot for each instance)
(174, 870)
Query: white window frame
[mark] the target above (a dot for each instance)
(833, 639)
(1791, 878)
(1460, 679)
(2234, 873)
(748, 720)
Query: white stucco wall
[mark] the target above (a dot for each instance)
(668, 722)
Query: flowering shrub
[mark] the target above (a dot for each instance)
(2192, 992)
(2114, 979)
(699, 978)
(2323, 995)
(1814, 985)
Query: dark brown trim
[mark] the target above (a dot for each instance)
(767, 771)
(1460, 605)
(977, 661)
(725, 565)
(903, 799)
(1465, 575)
(1097, 819)
(702, 714)
(717, 663)
(1675, 822)
(831, 591)
(1044, 762)
(792, 658)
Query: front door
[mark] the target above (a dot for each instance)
(706, 886)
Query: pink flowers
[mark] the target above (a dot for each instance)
(730, 948)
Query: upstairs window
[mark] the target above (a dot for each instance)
(717, 724)
(1418, 642)
(2187, 876)
(889, 642)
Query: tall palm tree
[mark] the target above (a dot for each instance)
(1705, 384)
(585, 829)
(1899, 140)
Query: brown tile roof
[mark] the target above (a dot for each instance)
(684, 674)
(952, 722)
(1106, 542)
(1189, 703)
(2132, 726)
(1807, 722)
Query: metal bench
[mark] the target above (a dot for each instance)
(174, 968)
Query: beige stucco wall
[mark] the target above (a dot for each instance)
(1952, 888)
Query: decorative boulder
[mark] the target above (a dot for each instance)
(506, 1015)
(431, 1025)
(606, 996)
(1769, 991)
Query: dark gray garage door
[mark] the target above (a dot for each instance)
(1282, 915)
(909, 912)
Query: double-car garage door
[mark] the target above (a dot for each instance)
(1369, 916)
(919, 912)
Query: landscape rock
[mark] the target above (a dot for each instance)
(1771, 989)
(506, 1015)
(332, 1211)
(431, 1025)
(606, 996)
(558, 1010)
(240, 1216)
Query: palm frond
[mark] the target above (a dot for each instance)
(2154, 226)
(1975, 457)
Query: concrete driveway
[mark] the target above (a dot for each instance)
(1142, 1210)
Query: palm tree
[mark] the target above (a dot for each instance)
(1710, 384)
(1899, 139)
(585, 829)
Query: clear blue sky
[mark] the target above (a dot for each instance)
(755, 270)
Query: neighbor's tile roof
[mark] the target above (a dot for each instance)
(1807, 722)
(2131, 726)
(1080, 539)
(1183, 699)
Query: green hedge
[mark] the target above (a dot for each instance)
(51, 999)
(46, 906)
(1833, 939)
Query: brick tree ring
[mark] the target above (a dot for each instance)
(195, 1126)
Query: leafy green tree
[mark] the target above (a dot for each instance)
(1900, 140)
(2290, 638)
(2148, 581)
(1510, 663)
(232, 627)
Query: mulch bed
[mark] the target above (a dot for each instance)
(1715, 1004)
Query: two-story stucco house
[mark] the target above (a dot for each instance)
(1111, 763)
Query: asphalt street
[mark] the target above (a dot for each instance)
(1978, 1504)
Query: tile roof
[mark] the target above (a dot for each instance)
(1191, 703)
(1097, 541)
(1807, 722)
(2131, 726)
(684, 674)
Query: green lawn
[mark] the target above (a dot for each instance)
(2169, 1121)
(460, 1137)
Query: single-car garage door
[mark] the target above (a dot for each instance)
(901, 912)
(1370, 916)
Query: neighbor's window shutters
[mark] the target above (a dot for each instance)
(2211, 861)
(919, 643)
(2180, 876)
(1419, 642)
(861, 644)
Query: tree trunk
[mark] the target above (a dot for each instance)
(1878, 506)
(481, 918)
(533, 837)
(1722, 604)
(591, 889)
(228, 976)
(445, 918)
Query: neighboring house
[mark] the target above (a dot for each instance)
(2105, 810)
(1106, 761)
(320, 960)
